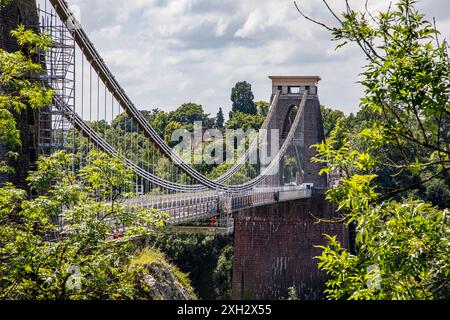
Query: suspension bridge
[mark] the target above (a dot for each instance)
(92, 111)
(87, 94)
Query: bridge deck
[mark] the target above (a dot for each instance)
(190, 207)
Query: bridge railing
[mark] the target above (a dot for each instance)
(184, 208)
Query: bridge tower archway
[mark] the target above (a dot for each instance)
(296, 166)
(291, 166)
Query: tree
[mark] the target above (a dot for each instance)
(158, 119)
(168, 132)
(406, 81)
(330, 118)
(401, 245)
(223, 273)
(85, 255)
(20, 86)
(123, 122)
(242, 98)
(198, 254)
(245, 121)
(4, 2)
(262, 107)
(189, 113)
(76, 239)
(437, 191)
(402, 248)
(220, 119)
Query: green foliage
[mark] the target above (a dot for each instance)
(171, 127)
(199, 255)
(243, 175)
(220, 119)
(330, 118)
(40, 250)
(437, 191)
(185, 116)
(123, 133)
(406, 242)
(403, 253)
(223, 273)
(405, 112)
(245, 121)
(396, 144)
(20, 88)
(242, 98)
(290, 169)
(406, 81)
(123, 122)
(31, 41)
(189, 113)
(157, 118)
(262, 107)
(5, 2)
(292, 294)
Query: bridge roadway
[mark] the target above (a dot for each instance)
(191, 207)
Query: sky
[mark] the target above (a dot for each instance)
(166, 53)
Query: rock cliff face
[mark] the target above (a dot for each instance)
(157, 279)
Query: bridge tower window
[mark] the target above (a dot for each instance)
(294, 90)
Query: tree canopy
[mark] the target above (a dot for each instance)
(401, 247)
(220, 119)
(242, 98)
(19, 86)
(83, 256)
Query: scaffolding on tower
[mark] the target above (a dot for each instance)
(55, 130)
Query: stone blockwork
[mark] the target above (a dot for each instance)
(274, 249)
(19, 12)
(313, 133)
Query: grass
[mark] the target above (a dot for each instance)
(148, 256)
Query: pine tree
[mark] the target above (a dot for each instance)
(220, 120)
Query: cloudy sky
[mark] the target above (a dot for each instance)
(167, 52)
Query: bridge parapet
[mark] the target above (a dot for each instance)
(185, 208)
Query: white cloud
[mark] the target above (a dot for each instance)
(255, 23)
(222, 26)
(107, 33)
(166, 52)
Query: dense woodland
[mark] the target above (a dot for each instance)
(393, 157)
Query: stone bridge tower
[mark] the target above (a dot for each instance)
(275, 244)
(15, 13)
(310, 130)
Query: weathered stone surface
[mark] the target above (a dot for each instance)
(275, 249)
(157, 279)
(17, 12)
(313, 133)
